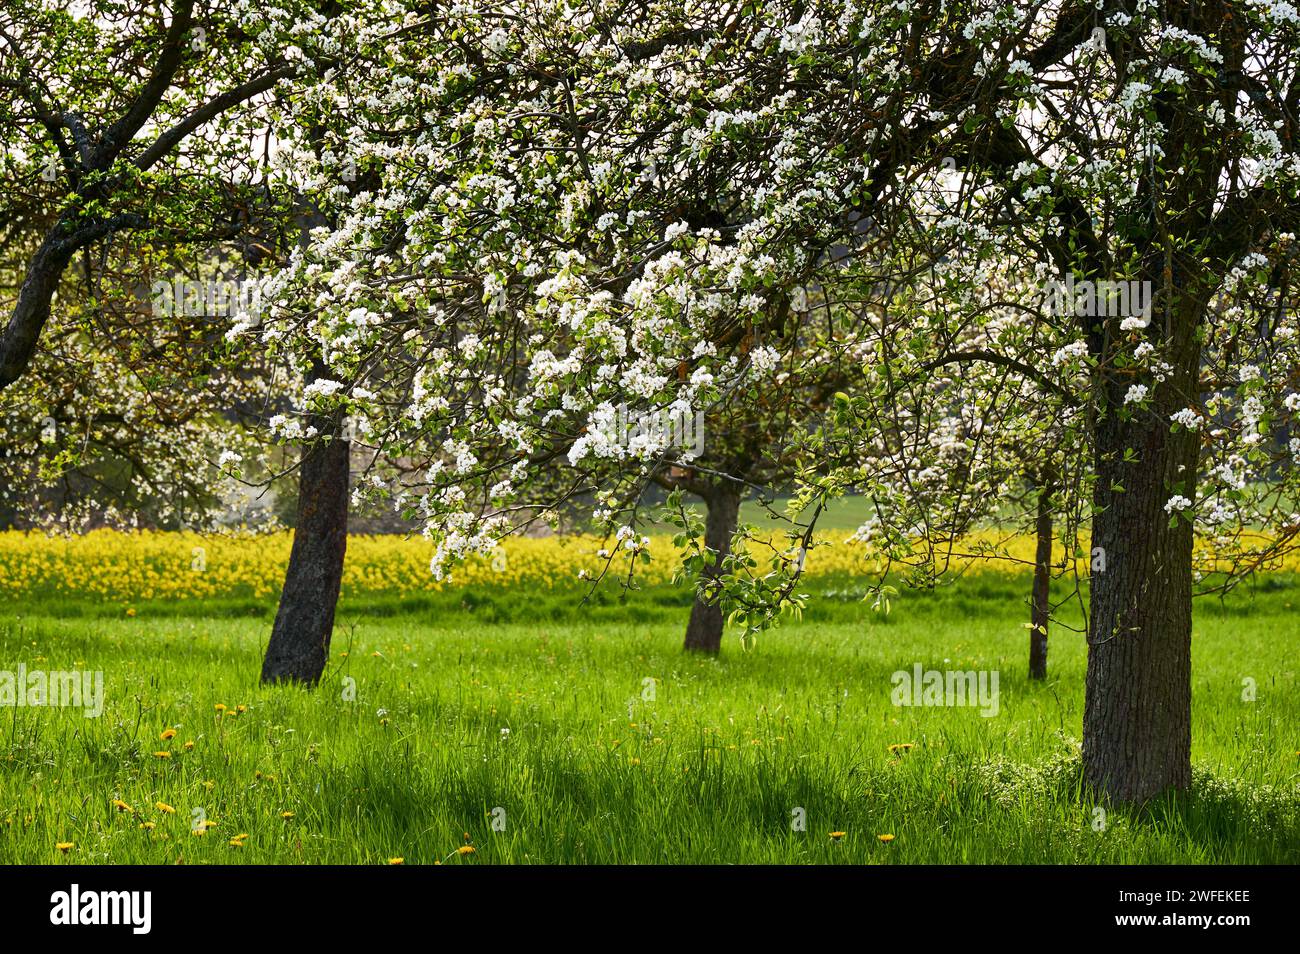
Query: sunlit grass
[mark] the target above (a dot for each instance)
(592, 770)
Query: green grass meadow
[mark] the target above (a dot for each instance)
(523, 726)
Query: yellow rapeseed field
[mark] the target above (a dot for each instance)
(147, 565)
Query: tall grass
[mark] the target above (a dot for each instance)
(521, 708)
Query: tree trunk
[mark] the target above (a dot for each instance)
(704, 631)
(1041, 608)
(300, 639)
(1137, 713)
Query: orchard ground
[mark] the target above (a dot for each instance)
(515, 722)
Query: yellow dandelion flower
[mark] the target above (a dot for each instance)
(220, 707)
(837, 835)
(122, 806)
(396, 861)
(65, 846)
(148, 826)
(886, 838)
(903, 747)
(286, 814)
(236, 843)
(189, 746)
(162, 755)
(167, 734)
(130, 611)
(465, 850)
(241, 708)
(164, 808)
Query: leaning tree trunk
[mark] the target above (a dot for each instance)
(1040, 610)
(300, 639)
(1137, 714)
(704, 631)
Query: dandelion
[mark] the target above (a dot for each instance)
(164, 808)
(286, 815)
(396, 861)
(122, 806)
(189, 746)
(903, 747)
(130, 611)
(220, 707)
(148, 826)
(162, 755)
(837, 835)
(238, 840)
(886, 838)
(65, 846)
(167, 734)
(465, 850)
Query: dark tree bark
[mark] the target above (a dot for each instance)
(704, 630)
(1040, 611)
(1137, 714)
(300, 639)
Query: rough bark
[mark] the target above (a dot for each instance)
(704, 630)
(1137, 712)
(300, 639)
(1040, 610)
